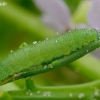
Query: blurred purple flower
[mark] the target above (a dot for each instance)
(56, 14)
(93, 17)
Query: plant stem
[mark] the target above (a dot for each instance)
(87, 91)
(29, 84)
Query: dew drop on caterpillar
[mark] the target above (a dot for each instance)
(45, 52)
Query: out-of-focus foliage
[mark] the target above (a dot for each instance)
(72, 4)
(29, 5)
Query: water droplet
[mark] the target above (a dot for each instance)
(45, 66)
(46, 38)
(50, 66)
(29, 90)
(96, 29)
(96, 93)
(17, 75)
(23, 45)
(81, 95)
(69, 30)
(56, 41)
(34, 42)
(38, 91)
(87, 51)
(11, 51)
(57, 33)
(31, 94)
(70, 94)
(48, 94)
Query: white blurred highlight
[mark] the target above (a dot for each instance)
(55, 14)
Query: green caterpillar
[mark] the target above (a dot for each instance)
(46, 52)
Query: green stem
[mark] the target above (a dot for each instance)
(87, 91)
(30, 85)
